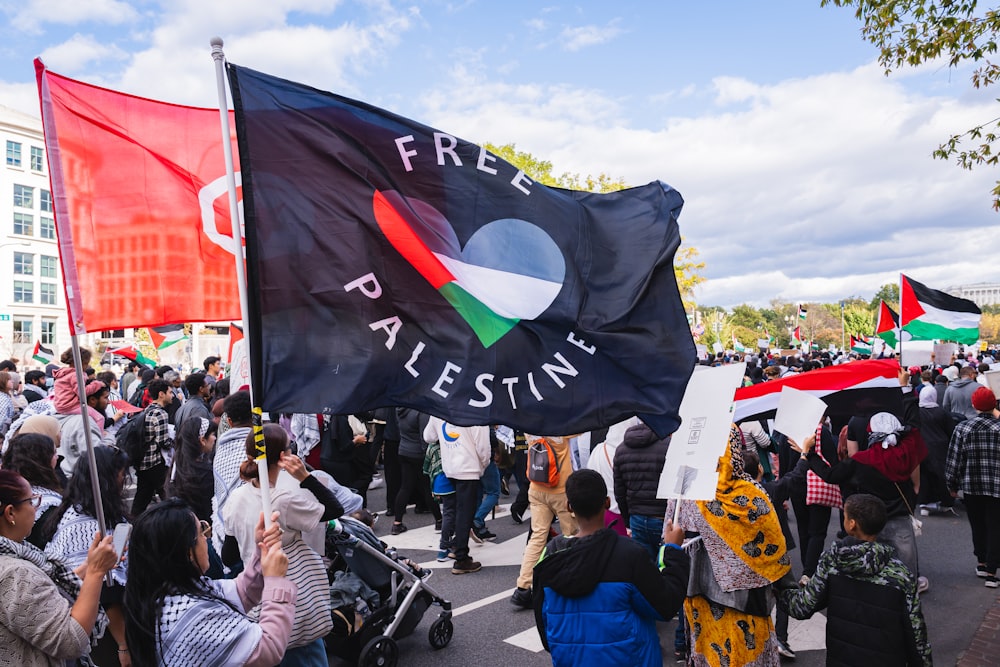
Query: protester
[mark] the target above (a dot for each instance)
(34, 386)
(47, 611)
(601, 575)
(410, 453)
(151, 469)
(303, 505)
(230, 451)
(740, 554)
(68, 532)
(465, 453)
(638, 464)
(33, 456)
(873, 609)
(936, 427)
(72, 428)
(198, 403)
(972, 468)
(7, 412)
(958, 395)
(546, 503)
(179, 617)
(193, 480)
(602, 460)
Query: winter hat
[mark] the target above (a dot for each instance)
(984, 400)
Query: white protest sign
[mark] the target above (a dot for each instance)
(943, 352)
(239, 367)
(798, 414)
(717, 347)
(916, 353)
(762, 343)
(702, 351)
(993, 381)
(691, 467)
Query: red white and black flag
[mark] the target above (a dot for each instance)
(856, 388)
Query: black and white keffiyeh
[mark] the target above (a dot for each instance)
(55, 569)
(206, 631)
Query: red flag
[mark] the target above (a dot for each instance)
(235, 335)
(140, 203)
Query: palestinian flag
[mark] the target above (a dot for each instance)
(861, 345)
(164, 337)
(797, 335)
(929, 314)
(43, 355)
(737, 345)
(857, 388)
(235, 335)
(802, 312)
(887, 325)
(131, 352)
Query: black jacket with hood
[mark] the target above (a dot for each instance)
(638, 464)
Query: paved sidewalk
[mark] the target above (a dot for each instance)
(984, 649)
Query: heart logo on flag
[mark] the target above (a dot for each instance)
(509, 270)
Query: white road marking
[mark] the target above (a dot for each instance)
(478, 604)
(528, 640)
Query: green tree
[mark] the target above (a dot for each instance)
(888, 293)
(687, 268)
(913, 32)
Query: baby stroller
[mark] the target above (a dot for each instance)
(403, 597)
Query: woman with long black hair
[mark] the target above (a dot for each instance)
(178, 617)
(68, 532)
(193, 480)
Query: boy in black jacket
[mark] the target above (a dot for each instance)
(873, 611)
(598, 595)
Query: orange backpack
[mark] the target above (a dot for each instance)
(543, 464)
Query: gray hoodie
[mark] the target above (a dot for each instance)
(958, 397)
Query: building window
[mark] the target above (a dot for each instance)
(45, 200)
(24, 196)
(47, 294)
(24, 264)
(37, 159)
(23, 331)
(24, 292)
(46, 227)
(13, 154)
(47, 265)
(113, 333)
(24, 224)
(48, 332)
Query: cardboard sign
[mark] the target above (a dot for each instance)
(993, 381)
(916, 353)
(717, 347)
(702, 351)
(690, 470)
(798, 414)
(943, 352)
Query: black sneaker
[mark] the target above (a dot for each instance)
(466, 566)
(397, 528)
(484, 534)
(517, 516)
(991, 581)
(981, 571)
(522, 598)
(504, 489)
(437, 525)
(475, 536)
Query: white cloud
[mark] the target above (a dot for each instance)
(78, 53)
(21, 97)
(811, 188)
(580, 37)
(35, 13)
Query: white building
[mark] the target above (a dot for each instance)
(32, 297)
(983, 294)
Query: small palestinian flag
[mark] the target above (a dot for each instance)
(860, 345)
(164, 337)
(887, 326)
(131, 352)
(802, 312)
(797, 335)
(737, 345)
(235, 336)
(43, 355)
(930, 314)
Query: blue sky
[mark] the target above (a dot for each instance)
(806, 173)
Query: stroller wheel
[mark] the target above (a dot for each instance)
(379, 652)
(440, 633)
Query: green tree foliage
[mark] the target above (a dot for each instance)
(888, 293)
(913, 32)
(687, 268)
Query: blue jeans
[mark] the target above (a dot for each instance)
(490, 482)
(647, 531)
(312, 654)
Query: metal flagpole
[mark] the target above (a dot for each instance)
(241, 276)
(900, 360)
(95, 483)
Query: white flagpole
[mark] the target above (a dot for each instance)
(241, 276)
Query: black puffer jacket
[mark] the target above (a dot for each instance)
(411, 428)
(638, 464)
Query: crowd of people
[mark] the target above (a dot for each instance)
(206, 580)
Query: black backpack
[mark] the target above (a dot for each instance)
(131, 438)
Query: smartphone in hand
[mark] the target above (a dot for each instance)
(120, 539)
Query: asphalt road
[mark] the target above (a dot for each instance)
(490, 631)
